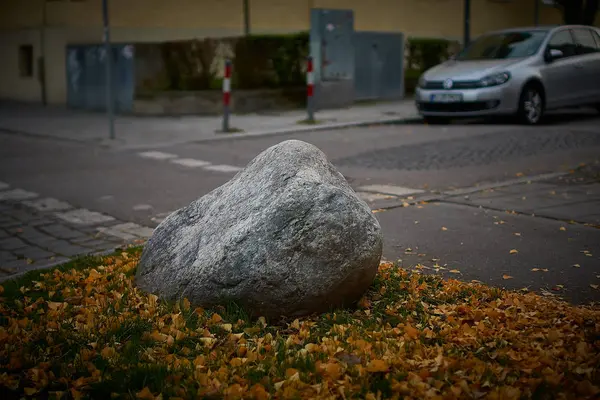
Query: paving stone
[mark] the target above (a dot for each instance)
(17, 195)
(61, 231)
(128, 231)
(48, 204)
(13, 266)
(6, 256)
(4, 185)
(84, 217)
(98, 244)
(11, 243)
(23, 215)
(9, 223)
(34, 253)
(64, 248)
(3, 234)
(41, 222)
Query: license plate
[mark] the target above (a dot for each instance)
(445, 98)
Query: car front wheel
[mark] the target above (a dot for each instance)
(531, 105)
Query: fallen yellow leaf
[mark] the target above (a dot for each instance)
(514, 251)
(562, 228)
(576, 266)
(444, 228)
(454, 271)
(594, 286)
(506, 276)
(145, 394)
(377, 366)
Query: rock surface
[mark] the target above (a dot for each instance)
(287, 236)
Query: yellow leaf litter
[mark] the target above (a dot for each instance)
(414, 336)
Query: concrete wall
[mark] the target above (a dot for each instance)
(74, 22)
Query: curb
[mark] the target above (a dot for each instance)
(110, 144)
(313, 128)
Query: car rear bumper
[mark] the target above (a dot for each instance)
(500, 100)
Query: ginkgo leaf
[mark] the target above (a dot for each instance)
(562, 228)
(454, 271)
(517, 234)
(444, 228)
(576, 266)
(506, 276)
(145, 394)
(514, 251)
(377, 366)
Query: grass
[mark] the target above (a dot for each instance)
(83, 330)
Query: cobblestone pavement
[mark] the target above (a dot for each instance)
(471, 151)
(37, 232)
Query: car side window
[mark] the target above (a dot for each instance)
(563, 41)
(585, 41)
(596, 38)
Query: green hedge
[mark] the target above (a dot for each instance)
(276, 61)
(259, 61)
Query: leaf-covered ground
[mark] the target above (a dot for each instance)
(85, 331)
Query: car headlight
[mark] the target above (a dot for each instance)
(495, 79)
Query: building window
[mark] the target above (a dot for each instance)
(26, 61)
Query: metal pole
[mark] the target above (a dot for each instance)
(467, 22)
(42, 60)
(108, 66)
(536, 10)
(246, 17)
(226, 95)
(310, 90)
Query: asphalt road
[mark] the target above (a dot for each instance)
(130, 187)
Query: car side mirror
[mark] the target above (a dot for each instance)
(554, 54)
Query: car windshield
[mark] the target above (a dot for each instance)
(497, 46)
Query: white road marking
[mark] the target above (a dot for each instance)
(223, 168)
(389, 189)
(4, 185)
(84, 217)
(157, 155)
(48, 204)
(158, 218)
(17, 195)
(142, 207)
(128, 231)
(190, 162)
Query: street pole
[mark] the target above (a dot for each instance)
(467, 22)
(246, 17)
(536, 10)
(108, 66)
(42, 60)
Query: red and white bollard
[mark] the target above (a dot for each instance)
(310, 88)
(226, 95)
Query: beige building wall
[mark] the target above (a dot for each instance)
(72, 22)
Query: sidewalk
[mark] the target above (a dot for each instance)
(151, 132)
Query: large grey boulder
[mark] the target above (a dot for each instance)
(287, 236)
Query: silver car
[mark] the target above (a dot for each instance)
(522, 72)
